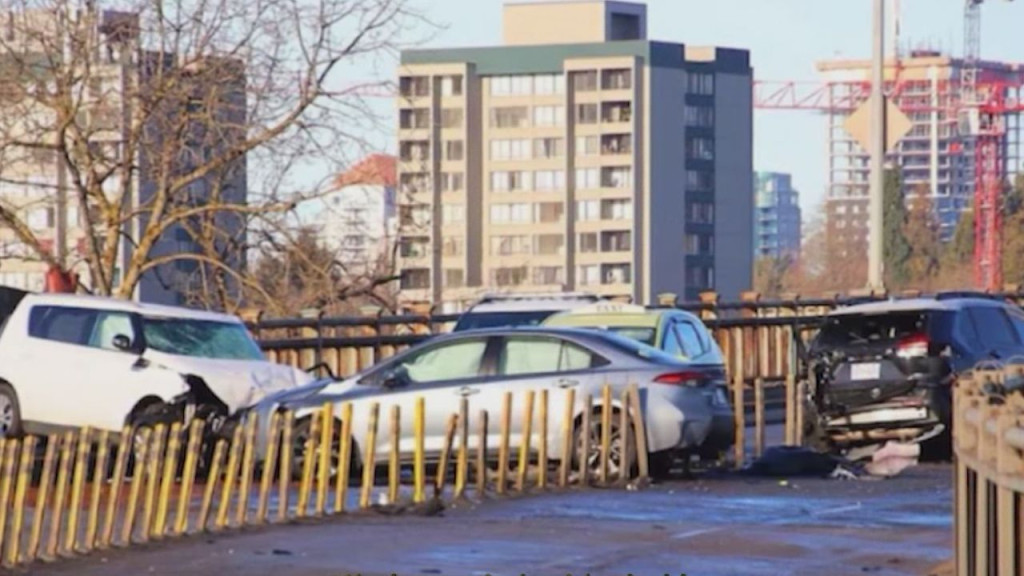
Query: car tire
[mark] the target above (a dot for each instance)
(10, 412)
(659, 464)
(299, 436)
(594, 457)
(147, 418)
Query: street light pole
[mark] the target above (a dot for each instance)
(875, 238)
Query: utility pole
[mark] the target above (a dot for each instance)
(876, 191)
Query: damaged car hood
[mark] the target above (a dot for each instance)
(238, 383)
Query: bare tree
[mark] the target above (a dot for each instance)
(157, 135)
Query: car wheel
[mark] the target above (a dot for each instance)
(147, 419)
(593, 457)
(660, 464)
(10, 412)
(300, 434)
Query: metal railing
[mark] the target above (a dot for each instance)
(69, 494)
(988, 432)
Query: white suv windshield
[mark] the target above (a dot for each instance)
(200, 338)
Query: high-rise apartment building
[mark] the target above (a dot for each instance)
(934, 155)
(575, 157)
(777, 216)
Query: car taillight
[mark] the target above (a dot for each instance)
(684, 378)
(914, 346)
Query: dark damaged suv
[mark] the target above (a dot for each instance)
(884, 370)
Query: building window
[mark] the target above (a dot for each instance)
(510, 245)
(413, 182)
(586, 113)
(548, 116)
(550, 244)
(700, 180)
(587, 242)
(587, 210)
(548, 84)
(692, 244)
(454, 278)
(415, 279)
(453, 214)
(511, 85)
(618, 79)
(414, 150)
(452, 181)
(454, 150)
(414, 247)
(617, 241)
(700, 83)
(502, 181)
(548, 180)
(584, 81)
(615, 144)
(588, 275)
(414, 118)
(587, 145)
(452, 246)
(699, 116)
(700, 148)
(550, 212)
(617, 209)
(617, 274)
(548, 148)
(519, 212)
(509, 276)
(451, 85)
(588, 178)
(510, 117)
(414, 215)
(616, 112)
(451, 117)
(414, 86)
(548, 275)
(702, 213)
(616, 177)
(510, 149)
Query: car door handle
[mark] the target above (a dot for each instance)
(567, 383)
(467, 391)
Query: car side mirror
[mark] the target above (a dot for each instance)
(394, 378)
(122, 343)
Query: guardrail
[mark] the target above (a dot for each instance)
(988, 431)
(71, 494)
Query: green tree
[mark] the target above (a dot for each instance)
(1013, 233)
(896, 249)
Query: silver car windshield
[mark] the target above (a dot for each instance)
(200, 338)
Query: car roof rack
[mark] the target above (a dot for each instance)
(487, 298)
(953, 294)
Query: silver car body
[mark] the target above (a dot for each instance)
(677, 415)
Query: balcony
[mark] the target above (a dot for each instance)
(616, 144)
(616, 112)
(617, 241)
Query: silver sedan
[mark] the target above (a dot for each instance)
(484, 365)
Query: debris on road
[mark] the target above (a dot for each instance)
(796, 461)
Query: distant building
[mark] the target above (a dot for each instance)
(777, 216)
(578, 156)
(358, 219)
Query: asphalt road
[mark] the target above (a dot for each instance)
(715, 525)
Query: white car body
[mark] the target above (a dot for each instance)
(64, 384)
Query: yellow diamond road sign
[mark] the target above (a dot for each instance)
(897, 125)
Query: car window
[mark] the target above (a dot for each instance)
(200, 338)
(691, 340)
(108, 325)
(670, 343)
(61, 324)
(448, 361)
(996, 330)
(537, 355)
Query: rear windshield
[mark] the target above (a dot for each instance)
(638, 349)
(854, 329)
(480, 320)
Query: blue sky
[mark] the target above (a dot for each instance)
(786, 38)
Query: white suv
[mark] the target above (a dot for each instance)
(506, 310)
(68, 361)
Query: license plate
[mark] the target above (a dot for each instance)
(865, 371)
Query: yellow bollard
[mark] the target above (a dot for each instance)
(446, 450)
(124, 445)
(323, 477)
(344, 459)
(230, 478)
(170, 471)
(370, 461)
(269, 468)
(503, 446)
(542, 448)
(606, 432)
(10, 461)
(156, 450)
(60, 494)
(77, 486)
(28, 456)
(739, 421)
(188, 476)
(639, 431)
(481, 457)
(394, 462)
(462, 458)
(285, 475)
(99, 477)
(758, 417)
(212, 479)
(309, 461)
(419, 465)
(141, 458)
(524, 443)
(42, 498)
(790, 434)
(567, 430)
(248, 470)
(624, 439)
(585, 427)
